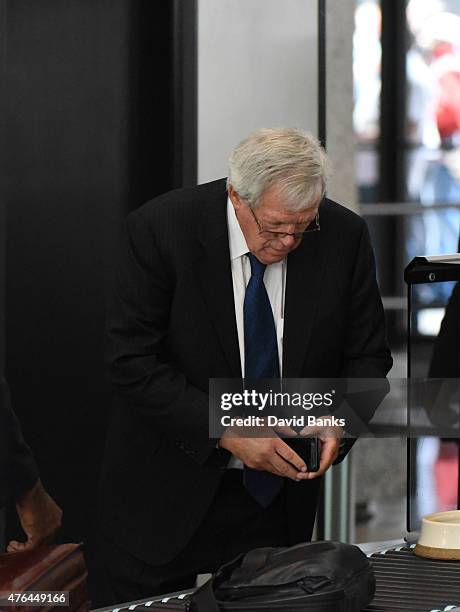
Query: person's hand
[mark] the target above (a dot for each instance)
(40, 519)
(330, 439)
(329, 452)
(269, 454)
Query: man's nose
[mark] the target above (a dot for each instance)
(288, 240)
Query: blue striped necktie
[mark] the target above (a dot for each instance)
(260, 361)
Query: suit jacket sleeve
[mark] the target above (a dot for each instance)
(366, 350)
(142, 368)
(18, 470)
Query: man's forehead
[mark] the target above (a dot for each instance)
(277, 211)
(273, 204)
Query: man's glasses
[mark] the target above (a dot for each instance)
(313, 226)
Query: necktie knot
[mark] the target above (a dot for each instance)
(257, 268)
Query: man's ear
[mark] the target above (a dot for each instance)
(235, 198)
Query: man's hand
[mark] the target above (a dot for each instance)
(40, 519)
(268, 454)
(328, 454)
(330, 439)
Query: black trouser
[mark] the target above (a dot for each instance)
(234, 523)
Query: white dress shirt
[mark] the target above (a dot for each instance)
(274, 280)
(275, 283)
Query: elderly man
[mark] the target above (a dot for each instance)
(257, 276)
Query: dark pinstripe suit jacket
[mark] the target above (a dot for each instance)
(171, 326)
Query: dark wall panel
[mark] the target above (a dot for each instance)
(88, 116)
(3, 156)
(67, 121)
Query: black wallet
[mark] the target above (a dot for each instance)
(308, 449)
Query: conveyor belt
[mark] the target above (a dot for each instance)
(406, 582)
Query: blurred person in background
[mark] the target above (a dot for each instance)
(433, 113)
(20, 483)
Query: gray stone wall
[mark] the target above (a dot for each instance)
(339, 111)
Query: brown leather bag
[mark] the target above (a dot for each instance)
(48, 568)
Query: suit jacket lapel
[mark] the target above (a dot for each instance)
(303, 285)
(215, 277)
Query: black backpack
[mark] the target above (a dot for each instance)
(314, 576)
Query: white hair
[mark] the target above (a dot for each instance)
(288, 157)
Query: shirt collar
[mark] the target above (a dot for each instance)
(236, 239)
